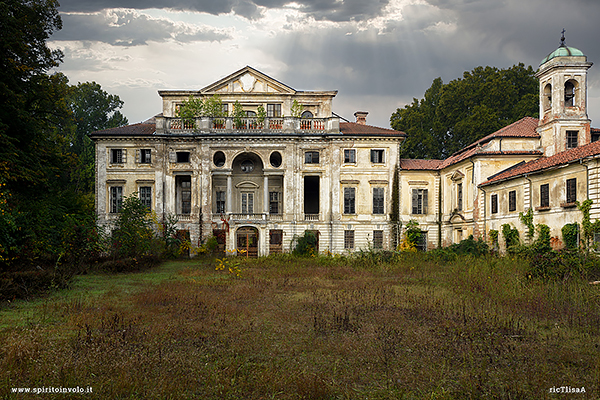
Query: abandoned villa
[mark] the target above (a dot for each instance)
(291, 165)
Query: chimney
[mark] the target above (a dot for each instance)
(361, 117)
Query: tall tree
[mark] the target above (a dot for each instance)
(453, 115)
(92, 109)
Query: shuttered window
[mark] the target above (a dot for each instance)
(419, 201)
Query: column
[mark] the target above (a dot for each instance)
(266, 194)
(229, 205)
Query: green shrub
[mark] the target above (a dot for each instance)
(542, 243)
(511, 236)
(570, 234)
(470, 246)
(306, 245)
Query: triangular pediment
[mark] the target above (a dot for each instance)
(457, 175)
(248, 80)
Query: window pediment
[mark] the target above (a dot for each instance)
(457, 176)
(247, 185)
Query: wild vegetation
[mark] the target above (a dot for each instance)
(373, 325)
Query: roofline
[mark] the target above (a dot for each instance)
(525, 174)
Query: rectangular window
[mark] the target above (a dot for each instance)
(512, 200)
(349, 200)
(545, 195)
(419, 201)
(273, 110)
(349, 156)
(220, 209)
(378, 239)
(247, 203)
(118, 156)
(116, 199)
(186, 196)
(377, 156)
(572, 139)
(571, 190)
(311, 157)
(145, 156)
(348, 239)
(494, 200)
(459, 197)
(274, 205)
(183, 156)
(225, 109)
(145, 193)
(378, 200)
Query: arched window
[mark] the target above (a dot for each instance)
(250, 114)
(306, 114)
(547, 96)
(569, 94)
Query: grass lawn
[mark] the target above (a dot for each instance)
(366, 327)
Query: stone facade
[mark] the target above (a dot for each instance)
(258, 185)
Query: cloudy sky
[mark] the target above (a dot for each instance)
(378, 54)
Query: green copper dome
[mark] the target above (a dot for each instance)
(563, 51)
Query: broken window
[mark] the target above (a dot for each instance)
(571, 190)
(377, 156)
(545, 195)
(378, 200)
(145, 193)
(349, 200)
(494, 200)
(349, 156)
(419, 201)
(348, 239)
(220, 205)
(572, 139)
(512, 200)
(378, 239)
(116, 199)
(311, 157)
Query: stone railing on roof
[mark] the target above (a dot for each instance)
(208, 125)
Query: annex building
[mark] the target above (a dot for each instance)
(259, 181)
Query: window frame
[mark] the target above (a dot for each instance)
(180, 159)
(311, 157)
(118, 156)
(145, 156)
(572, 139)
(349, 201)
(378, 200)
(545, 195)
(378, 239)
(273, 110)
(377, 156)
(349, 156)
(247, 205)
(115, 199)
(494, 203)
(512, 201)
(349, 239)
(459, 196)
(274, 202)
(571, 190)
(145, 195)
(419, 201)
(220, 202)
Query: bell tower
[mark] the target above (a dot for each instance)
(564, 122)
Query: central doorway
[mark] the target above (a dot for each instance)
(247, 241)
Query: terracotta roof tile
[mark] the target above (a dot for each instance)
(412, 164)
(352, 128)
(135, 129)
(541, 164)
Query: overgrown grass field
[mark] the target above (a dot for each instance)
(366, 327)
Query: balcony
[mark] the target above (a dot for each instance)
(228, 125)
(248, 217)
(311, 217)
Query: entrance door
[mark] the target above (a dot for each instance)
(247, 241)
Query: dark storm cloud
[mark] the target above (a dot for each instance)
(123, 28)
(332, 10)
